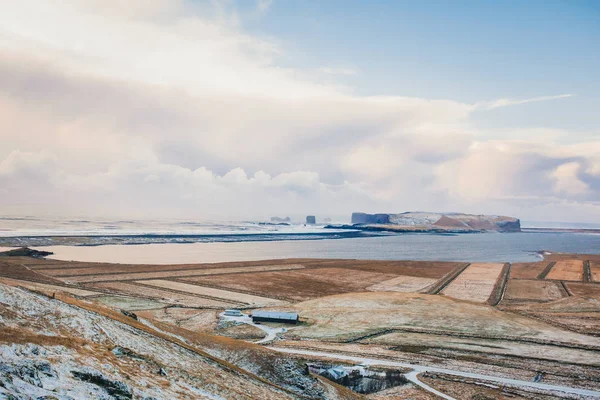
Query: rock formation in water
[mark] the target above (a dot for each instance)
(311, 219)
(427, 221)
(281, 219)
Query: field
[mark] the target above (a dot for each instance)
(45, 288)
(522, 290)
(103, 277)
(171, 297)
(595, 271)
(211, 292)
(527, 270)
(509, 320)
(403, 284)
(567, 270)
(298, 285)
(475, 283)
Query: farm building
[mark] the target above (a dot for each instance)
(275, 316)
(233, 313)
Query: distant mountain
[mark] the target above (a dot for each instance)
(419, 221)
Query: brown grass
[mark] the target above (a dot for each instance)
(45, 288)
(101, 274)
(527, 270)
(567, 270)
(403, 284)
(595, 270)
(155, 293)
(589, 290)
(13, 269)
(521, 290)
(476, 283)
(422, 269)
(211, 292)
(298, 285)
(192, 337)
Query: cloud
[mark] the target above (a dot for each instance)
(344, 71)
(567, 180)
(514, 102)
(172, 109)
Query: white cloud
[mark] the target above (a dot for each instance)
(344, 71)
(514, 102)
(166, 106)
(567, 179)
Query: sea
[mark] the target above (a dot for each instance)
(181, 241)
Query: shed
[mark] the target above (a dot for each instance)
(275, 316)
(233, 313)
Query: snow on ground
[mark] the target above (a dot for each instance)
(246, 319)
(71, 354)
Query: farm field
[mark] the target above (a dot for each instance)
(584, 289)
(46, 288)
(567, 270)
(524, 290)
(403, 284)
(475, 283)
(432, 344)
(167, 296)
(300, 284)
(421, 269)
(527, 270)
(210, 292)
(434, 313)
(595, 271)
(174, 274)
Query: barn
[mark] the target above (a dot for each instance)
(275, 316)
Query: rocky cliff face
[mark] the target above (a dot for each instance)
(423, 221)
(363, 218)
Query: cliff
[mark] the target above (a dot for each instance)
(426, 221)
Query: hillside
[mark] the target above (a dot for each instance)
(64, 347)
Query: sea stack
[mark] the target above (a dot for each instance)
(311, 220)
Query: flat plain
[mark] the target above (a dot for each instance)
(567, 270)
(475, 283)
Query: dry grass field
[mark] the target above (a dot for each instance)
(360, 307)
(567, 270)
(46, 288)
(524, 290)
(584, 289)
(298, 285)
(406, 284)
(595, 271)
(171, 297)
(475, 283)
(527, 270)
(210, 292)
(174, 274)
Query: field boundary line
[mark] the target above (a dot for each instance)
(566, 289)
(225, 288)
(546, 270)
(142, 286)
(587, 272)
(199, 271)
(472, 336)
(500, 286)
(447, 279)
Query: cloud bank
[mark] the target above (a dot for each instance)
(162, 108)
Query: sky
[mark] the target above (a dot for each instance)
(249, 109)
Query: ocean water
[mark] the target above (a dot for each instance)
(498, 247)
(179, 241)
